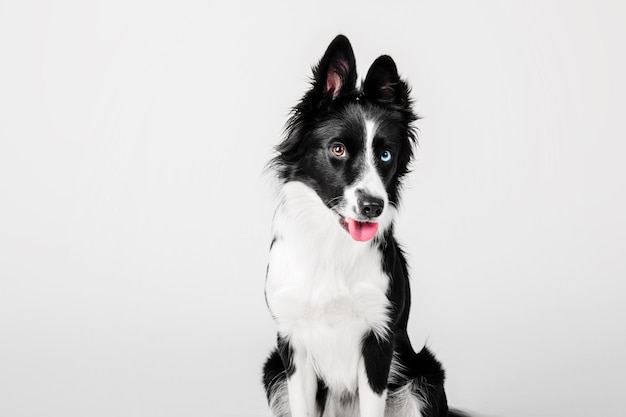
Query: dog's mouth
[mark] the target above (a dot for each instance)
(359, 231)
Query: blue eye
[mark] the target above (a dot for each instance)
(385, 156)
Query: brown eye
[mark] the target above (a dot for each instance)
(338, 150)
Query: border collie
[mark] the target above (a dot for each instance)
(337, 282)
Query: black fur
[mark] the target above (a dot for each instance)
(377, 355)
(321, 119)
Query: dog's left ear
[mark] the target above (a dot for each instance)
(383, 84)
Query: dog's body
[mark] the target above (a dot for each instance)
(337, 282)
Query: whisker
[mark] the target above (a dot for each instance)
(332, 202)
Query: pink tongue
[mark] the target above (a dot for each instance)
(362, 231)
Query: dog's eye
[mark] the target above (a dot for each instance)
(385, 156)
(338, 150)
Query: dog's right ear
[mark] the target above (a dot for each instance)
(335, 74)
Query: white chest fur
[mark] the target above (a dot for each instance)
(325, 290)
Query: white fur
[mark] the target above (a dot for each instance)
(325, 290)
(302, 386)
(371, 404)
(279, 399)
(404, 401)
(370, 182)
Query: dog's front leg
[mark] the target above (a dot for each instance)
(373, 375)
(371, 403)
(301, 379)
(302, 387)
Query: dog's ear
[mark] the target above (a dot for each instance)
(383, 84)
(336, 72)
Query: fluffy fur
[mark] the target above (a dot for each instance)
(337, 282)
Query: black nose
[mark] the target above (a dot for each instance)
(370, 206)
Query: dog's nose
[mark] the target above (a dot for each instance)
(370, 206)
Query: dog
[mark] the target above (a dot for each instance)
(337, 283)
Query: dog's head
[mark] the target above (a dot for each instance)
(351, 145)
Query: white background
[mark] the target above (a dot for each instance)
(134, 217)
